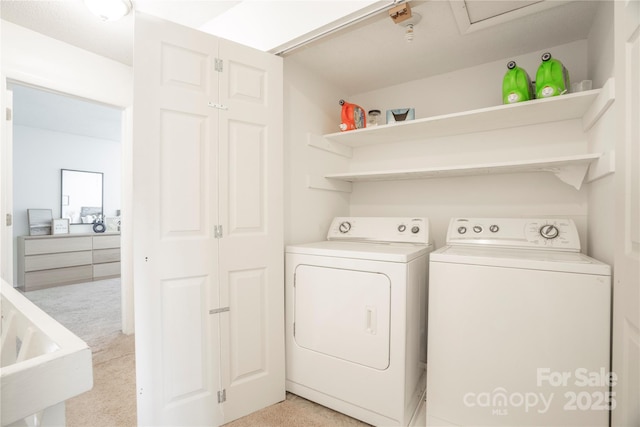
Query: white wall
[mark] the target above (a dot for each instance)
(601, 193)
(33, 58)
(310, 106)
(516, 195)
(39, 154)
(470, 88)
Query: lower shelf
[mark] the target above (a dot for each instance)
(571, 170)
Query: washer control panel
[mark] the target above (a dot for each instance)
(556, 234)
(380, 229)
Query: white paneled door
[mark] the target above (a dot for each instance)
(626, 289)
(207, 222)
(251, 212)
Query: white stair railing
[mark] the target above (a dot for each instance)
(42, 364)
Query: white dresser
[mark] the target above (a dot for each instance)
(46, 261)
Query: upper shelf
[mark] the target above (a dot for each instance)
(588, 106)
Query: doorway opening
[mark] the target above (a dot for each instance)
(54, 132)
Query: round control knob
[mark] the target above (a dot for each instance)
(549, 231)
(477, 229)
(462, 230)
(402, 228)
(415, 229)
(344, 227)
(494, 228)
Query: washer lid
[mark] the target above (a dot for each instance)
(392, 252)
(571, 262)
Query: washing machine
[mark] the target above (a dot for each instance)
(519, 327)
(356, 318)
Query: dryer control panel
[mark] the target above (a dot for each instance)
(555, 234)
(380, 229)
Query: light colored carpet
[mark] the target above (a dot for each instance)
(92, 312)
(296, 412)
(112, 401)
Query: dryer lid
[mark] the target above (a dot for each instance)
(391, 252)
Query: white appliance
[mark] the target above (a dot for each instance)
(519, 325)
(356, 318)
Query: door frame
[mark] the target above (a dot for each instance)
(102, 96)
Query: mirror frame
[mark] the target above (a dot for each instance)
(62, 195)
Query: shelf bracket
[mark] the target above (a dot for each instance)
(600, 106)
(321, 183)
(605, 165)
(321, 143)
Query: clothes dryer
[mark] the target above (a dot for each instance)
(519, 325)
(356, 318)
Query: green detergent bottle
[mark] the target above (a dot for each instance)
(552, 78)
(516, 85)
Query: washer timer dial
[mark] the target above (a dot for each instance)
(549, 231)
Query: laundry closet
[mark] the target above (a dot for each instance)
(465, 154)
(481, 138)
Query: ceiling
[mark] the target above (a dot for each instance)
(42, 109)
(370, 54)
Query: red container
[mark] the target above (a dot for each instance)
(353, 116)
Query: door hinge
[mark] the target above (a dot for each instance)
(9, 115)
(218, 65)
(9, 220)
(222, 396)
(219, 310)
(294, 329)
(218, 106)
(217, 232)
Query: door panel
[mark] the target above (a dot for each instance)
(175, 206)
(247, 178)
(247, 323)
(185, 68)
(184, 356)
(247, 83)
(626, 291)
(184, 153)
(252, 249)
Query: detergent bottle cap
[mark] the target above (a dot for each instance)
(546, 56)
(511, 65)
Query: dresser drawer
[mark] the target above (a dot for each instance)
(43, 279)
(101, 256)
(59, 260)
(65, 244)
(110, 269)
(106, 242)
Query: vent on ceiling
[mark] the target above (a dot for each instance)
(476, 15)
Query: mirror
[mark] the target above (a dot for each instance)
(81, 196)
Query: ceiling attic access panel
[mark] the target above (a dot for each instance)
(476, 15)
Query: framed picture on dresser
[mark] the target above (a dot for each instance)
(60, 226)
(39, 221)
